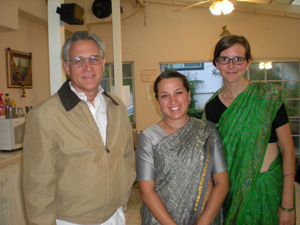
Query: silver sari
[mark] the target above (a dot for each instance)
(183, 164)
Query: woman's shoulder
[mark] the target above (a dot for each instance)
(213, 101)
(152, 129)
(268, 88)
(273, 92)
(154, 132)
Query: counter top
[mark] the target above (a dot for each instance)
(8, 158)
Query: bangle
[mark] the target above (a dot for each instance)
(289, 174)
(287, 210)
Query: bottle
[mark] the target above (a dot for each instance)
(7, 100)
(13, 108)
(2, 106)
(13, 103)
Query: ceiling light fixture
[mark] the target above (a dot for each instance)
(221, 6)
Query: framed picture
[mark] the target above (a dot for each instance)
(19, 69)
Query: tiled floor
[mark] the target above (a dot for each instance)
(134, 204)
(133, 207)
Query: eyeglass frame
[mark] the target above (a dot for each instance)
(84, 60)
(231, 59)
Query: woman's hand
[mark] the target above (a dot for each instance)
(154, 203)
(216, 198)
(286, 218)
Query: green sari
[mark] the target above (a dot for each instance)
(245, 129)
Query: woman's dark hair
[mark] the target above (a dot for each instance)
(227, 42)
(170, 74)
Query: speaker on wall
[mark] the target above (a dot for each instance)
(102, 8)
(71, 14)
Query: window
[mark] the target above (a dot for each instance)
(183, 66)
(108, 83)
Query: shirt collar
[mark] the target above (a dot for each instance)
(81, 95)
(69, 99)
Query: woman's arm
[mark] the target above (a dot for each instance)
(153, 202)
(216, 198)
(146, 175)
(288, 154)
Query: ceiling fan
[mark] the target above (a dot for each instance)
(222, 6)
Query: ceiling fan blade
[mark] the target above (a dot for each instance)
(190, 6)
(257, 1)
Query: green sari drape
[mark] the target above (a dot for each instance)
(183, 167)
(245, 129)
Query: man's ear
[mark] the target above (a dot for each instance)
(67, 68)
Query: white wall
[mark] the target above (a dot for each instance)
(29, 37)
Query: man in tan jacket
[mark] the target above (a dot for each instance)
(78, 148)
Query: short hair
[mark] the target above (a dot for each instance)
(170, 74)
(227, 42)
(81, 36)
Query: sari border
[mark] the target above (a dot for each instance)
(202, 192)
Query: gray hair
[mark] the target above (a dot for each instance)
(81, 36)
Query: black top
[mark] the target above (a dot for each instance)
(215, 108)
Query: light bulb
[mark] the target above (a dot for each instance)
(227, 7)
(261, 65)
(216, 8)
(268, 65)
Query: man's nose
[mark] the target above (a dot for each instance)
(87, 65)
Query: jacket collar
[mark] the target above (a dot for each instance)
(69, 99)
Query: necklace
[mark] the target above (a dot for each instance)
(175, 126)
(225, 96)
(227, 101)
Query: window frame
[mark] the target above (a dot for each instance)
(109, 68)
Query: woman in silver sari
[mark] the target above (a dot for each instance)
(181, 169)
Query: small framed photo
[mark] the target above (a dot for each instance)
(19, 69)
(148, 75)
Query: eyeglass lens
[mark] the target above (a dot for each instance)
(236, 60)
(80, 61)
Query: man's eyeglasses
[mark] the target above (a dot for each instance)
(236, 60)
(80, 61)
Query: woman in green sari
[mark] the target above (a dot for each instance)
(251, 120)
(181, 168)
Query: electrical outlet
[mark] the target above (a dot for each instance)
(31, 97)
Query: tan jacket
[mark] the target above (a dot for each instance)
(68, 173)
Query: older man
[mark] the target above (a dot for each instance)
(78, 148)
